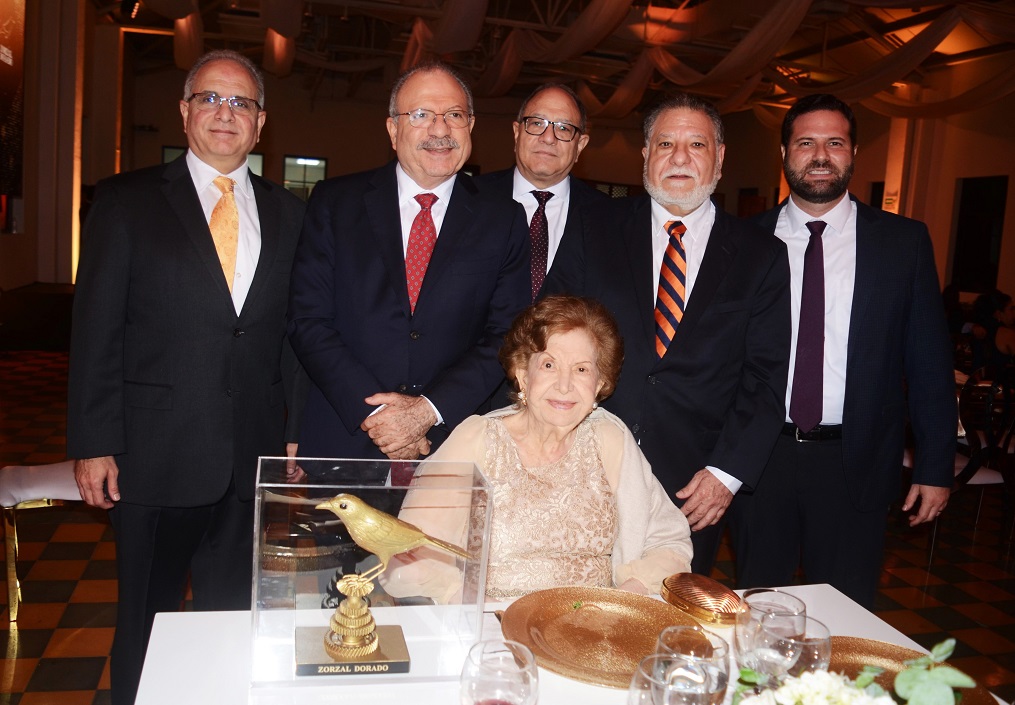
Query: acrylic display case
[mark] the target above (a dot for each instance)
(301, 551)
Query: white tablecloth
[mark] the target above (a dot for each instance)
(203, 658)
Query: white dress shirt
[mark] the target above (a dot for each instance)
(838, 243)
(409, 208)
(556, 208)
(699, 224)
(248, 246)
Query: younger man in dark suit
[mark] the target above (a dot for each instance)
(176, 372)
(867, 324)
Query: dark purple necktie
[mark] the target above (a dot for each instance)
(539, 232)
(805, 401)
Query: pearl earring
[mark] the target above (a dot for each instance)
(521, 398)
(595, 405)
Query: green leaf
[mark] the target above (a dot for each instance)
(943, 651)
(908, 682)
(952, 677)
(921, 662)
(752, 677)
(867, 676)
(931, 692)
(875, 691)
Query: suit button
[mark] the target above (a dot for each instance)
(237, 332)
(415, 335)
(229, 392)
(635, 428)
(652, 379)
(403, 388)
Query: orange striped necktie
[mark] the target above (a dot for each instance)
(672, 282)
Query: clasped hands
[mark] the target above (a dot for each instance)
(399, 429)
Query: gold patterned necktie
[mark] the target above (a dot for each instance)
(225, 228)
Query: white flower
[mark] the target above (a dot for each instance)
(817, 688)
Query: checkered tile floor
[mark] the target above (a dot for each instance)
(58, 651)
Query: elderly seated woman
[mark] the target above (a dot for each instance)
(574, 500)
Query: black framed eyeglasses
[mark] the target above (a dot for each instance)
(210, 100)
(424, 118)
(563, 131)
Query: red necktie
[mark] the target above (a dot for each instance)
(672, 279)
(805, 403)
(422, 238)
(539, 233)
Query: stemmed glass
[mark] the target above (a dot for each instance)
(667, 679)
(754, 605)
(790, 645)
(708, 650)
(499, 673)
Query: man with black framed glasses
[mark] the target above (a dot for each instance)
(550, 133)
(177, 372)
(406, 279)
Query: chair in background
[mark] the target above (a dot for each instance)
(27, 487)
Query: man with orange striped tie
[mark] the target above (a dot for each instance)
(702, 300)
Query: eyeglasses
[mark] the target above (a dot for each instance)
(425, 118)
(210, 100)
(563, 131)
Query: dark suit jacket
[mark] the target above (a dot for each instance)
(163, 374)
(717, 396)
(349, 317)
(898, 337)
(583, 200)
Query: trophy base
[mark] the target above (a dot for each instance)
(391, 656)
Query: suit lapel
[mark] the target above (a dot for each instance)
(868, 266)
(638, 241)
(453, 230)
(179, 190)
(269, 220)
(386, 222)
(719, 256)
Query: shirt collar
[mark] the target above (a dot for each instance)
(522, 188)
(835, 218)
(409, 189)
(693, 221)
(203, 175)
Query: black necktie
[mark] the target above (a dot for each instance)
(808, 371)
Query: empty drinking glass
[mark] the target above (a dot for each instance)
(753, 606)
(499, 673)
(710, 650)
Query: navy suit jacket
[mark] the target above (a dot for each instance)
(583, 200)
(164, 375)
(717, 396)
(898, 339)
(349, 317)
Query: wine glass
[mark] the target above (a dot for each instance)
(753, 606)
(499, 673)
(790, 645)
(668, 679)
(709, 650)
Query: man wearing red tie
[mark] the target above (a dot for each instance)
(867, 324)
(405, 281)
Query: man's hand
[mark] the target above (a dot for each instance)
(412, 451)
(707, 500)
(402, 422)
(96, 478)
(932, 502)
(293, 472)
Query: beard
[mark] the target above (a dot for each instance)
(822, 191)
(686, 202)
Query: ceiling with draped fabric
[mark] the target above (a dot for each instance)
(902, 58)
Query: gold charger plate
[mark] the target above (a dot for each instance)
(589, 634)
(850, 654)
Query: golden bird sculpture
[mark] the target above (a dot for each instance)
(380, 533)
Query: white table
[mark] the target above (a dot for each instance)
(203, 658)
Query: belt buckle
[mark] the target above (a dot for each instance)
(796, 435)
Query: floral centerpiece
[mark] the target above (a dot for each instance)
(926, 680)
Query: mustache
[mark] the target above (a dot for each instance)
(446, 142)
(680, 172)
(822, 164)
